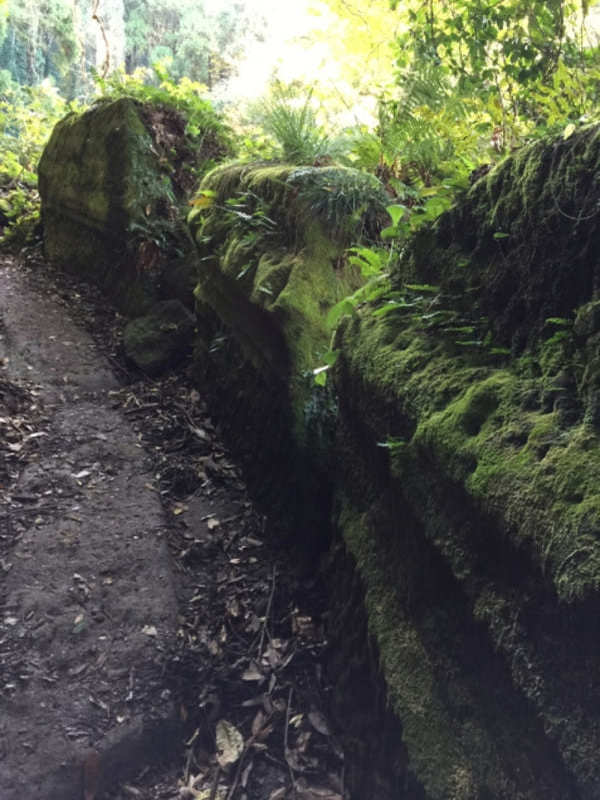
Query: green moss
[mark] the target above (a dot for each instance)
(271, 277)
(542, 481)
(466, 732)
(230, 180)
(348, 203)
(106, 199)
(511, 436)
(537, 478)
(467, 415)
(468, 475)
(270, 182)
(238, 259)
(283, 275)
(432, 741)
(491, 460)
(520, 466)
(496, 490)
(310, 291)
(543, 198)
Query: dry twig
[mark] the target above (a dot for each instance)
(268, 611)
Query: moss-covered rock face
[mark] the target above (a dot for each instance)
(272, 246)
(109, 203)
(469, 491)
(522, 245)
(465, 469)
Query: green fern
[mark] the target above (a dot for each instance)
(349, 201)
(292, 122)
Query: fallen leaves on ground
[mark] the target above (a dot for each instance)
(248, 674)
(252, 643)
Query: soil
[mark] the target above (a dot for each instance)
(154, 642)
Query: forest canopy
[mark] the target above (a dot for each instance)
(68, 40)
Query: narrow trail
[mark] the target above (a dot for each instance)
(89, 609)
(152, 642)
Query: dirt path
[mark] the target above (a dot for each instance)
(152, 644)
(89, 610)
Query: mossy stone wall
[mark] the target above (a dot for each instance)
(270, 271)
(470, 482)
(475, 645)
(522, 245)
(107, 202)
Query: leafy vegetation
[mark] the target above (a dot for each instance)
(454, 86)
(474, 81)
(27, 115)
(291, 121)
(346, 200)
(156, 85)
(66, 40)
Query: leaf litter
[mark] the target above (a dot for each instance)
(248, 671)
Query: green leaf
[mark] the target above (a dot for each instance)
(559, 336)
(339, 310)
(243, 272)
(396, 212)
(331, 357)
(204, 199)
(559, 321)
(320, 375)
(389, 307)
(500, 235)
(194, 213)
(465, 330)
(430, 191)
(422, 287)
(392, 444)
(368, 261)
(391, 232)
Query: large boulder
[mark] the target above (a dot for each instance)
(272, 242)
(107, 180)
